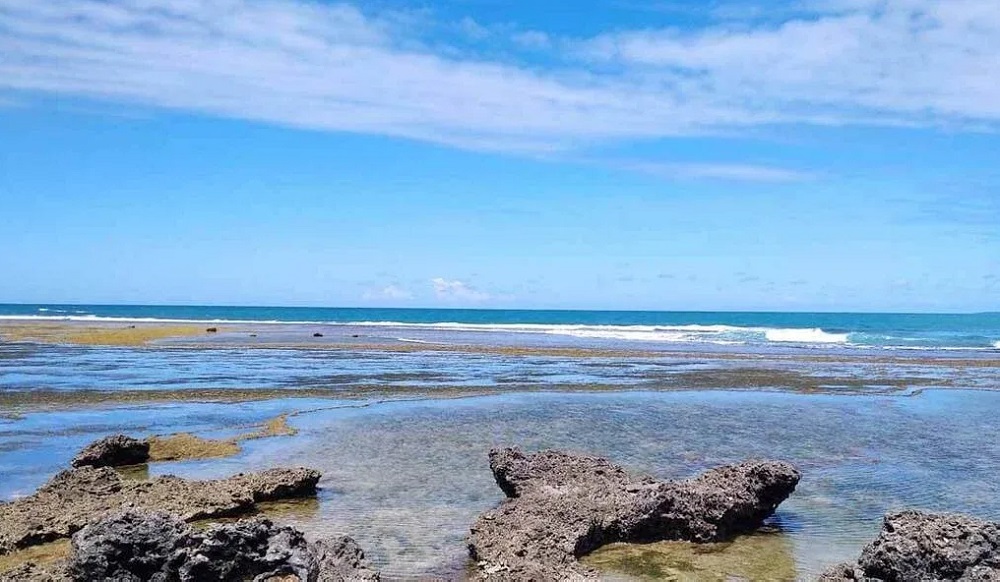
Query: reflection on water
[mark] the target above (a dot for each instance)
(407, 479)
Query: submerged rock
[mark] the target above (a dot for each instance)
(916, 546)
(74, 497)
(562, 506)
(134, 545)
(113, 451)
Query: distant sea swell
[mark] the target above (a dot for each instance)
(864, 330)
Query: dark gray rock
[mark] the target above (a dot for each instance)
(73, 498)
(113, 451)
(142, 546)
(562, 506)
(129, 546)
(917, 546)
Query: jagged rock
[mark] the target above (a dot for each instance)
(562, 506)
(135, 545)
(113, 451)
(917, 546)
(73, 498)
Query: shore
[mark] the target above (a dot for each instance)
(399, 429)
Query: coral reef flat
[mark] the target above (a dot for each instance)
(400, 431)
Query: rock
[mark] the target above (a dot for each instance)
(342, 559)
(134, 545)
(916, 546)
(113, 451)
(317, 334)
(31, 572)
(562, 506)
(72, 498)
(211, 330)
(127, 546)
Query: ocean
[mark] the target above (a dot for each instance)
(890, 331)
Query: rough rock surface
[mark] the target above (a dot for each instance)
(72, 498)
(916, 546)
(134, 545)
(30, 572)
(562, 506)
(113, 451)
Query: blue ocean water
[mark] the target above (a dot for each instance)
(979, 331)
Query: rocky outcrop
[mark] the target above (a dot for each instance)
(73, 498)
(156, 546)
(916, 546)
(113, 451)
(562, 506)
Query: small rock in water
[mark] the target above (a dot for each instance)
(211, 330)
(317, 334)
(113, 451)
(914, 545)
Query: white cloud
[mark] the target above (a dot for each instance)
(453, 290)
(912, 61)
(334, 67)
(532, 40)
(473, 30)
(722, 172)
(389, 293)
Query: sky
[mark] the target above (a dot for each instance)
(805, 155)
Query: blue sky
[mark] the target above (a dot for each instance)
(815, 155)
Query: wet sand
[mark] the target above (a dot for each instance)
(96, 335)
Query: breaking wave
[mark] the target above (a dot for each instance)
(678, 334)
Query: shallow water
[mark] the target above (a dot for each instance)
(26, 367)
(407, 479)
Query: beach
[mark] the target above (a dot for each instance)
(399, 417)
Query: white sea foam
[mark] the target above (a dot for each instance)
(996, 344)
(805, 336)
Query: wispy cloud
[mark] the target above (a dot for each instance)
(864, 61)
(716, 171)
(455, 291)
(337, 67)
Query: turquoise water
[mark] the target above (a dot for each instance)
(861, 330)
